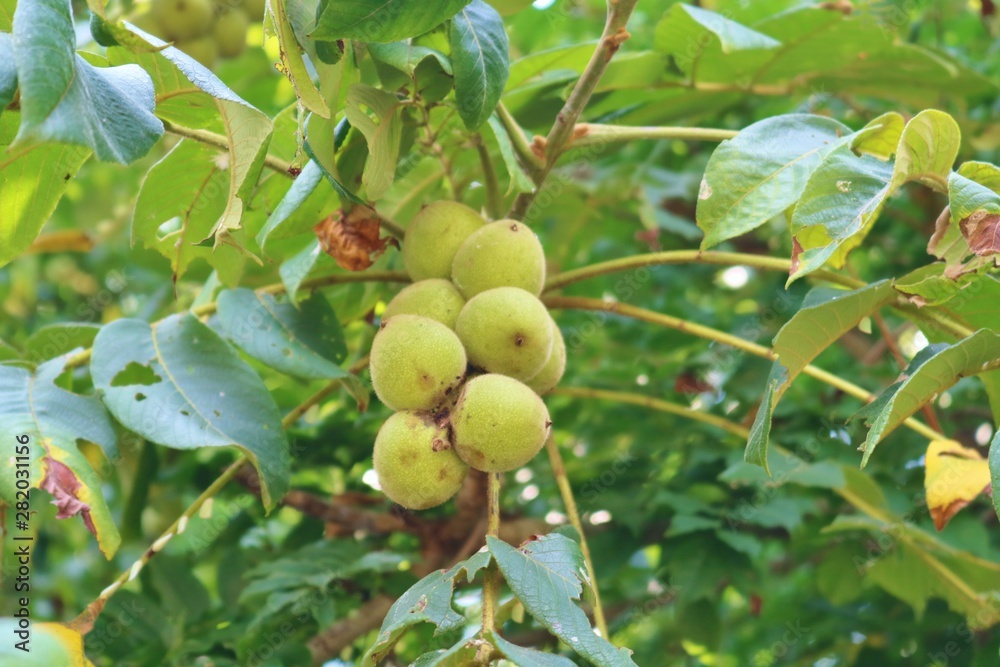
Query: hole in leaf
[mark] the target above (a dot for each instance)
(135, 373)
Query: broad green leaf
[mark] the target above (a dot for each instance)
(994, 459)
(761, 172)
(572, 59)
(178, 384)
(305, 340)
(927, 150)
(383, 134)
(380, 20)
(709, 46)
(279, 223)
(840, 203)
(880, 137)
(428, 600)
(187, 189)
(871, 410)
(519, 181)
(294, 66)
(66, 99)
(479, 53)
(461, 654)
(823, 319)
(32, 181)
(547, 574)
(966, 357)
(55, 340)
(47, 645)
(199, 95)
(54, 420)
(407, 56)
(8, 71)
(527, 657)
(930, 286)
(295, 269)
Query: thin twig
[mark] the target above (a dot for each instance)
(529, 160)
(589, 134)
(489, 179)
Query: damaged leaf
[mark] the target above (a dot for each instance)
(353, 239)
(954, 476)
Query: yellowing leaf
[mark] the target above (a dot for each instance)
(48, 645)
(954, 476)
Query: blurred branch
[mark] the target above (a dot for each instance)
(564, 126)
(529, 160)
(340, 635)
(589, 134)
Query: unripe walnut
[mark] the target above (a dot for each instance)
(230, 33)
(433, 237)
(498, 423)
(183, 19)
(506, 330)
(416, 464)
(434, 298)
(505, 253)
(553, 370)
(416, 363)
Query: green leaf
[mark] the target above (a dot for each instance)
(32, 181)
(975, 210)
(346, 196)
(527, 657)
(8, 71)
(870, 411)
(187, 189)
(198, 97)
(65, 99)
(290, 53)
(428, 600)
(383, 134)
(56, 340)
(927, 150)
(824, 317)
(54, 419)
(931, 286)
(177, 383)
(305, 340)
(280, 224)
(50, 644)
(994, 460)
(380, 20)
(479, 52)
(547, 574)
(519, 181)
(966, 357)
(461, 654)
(786, 468)
(295, 269)
(761, 172)
(407, 56)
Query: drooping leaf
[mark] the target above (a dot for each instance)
(519, 181)
(547, 574)
(54, 420)
(32, 181)
(347, 197)
(305, 340)
(293, 64)
(954, 475)
(383, 134)
(966, 357)
(826, 316)
(45, 645)
(479, 53)
(761, 172)
(66, 99)
(429, 600)
(931, 286)
(281, 224)
(975, 209)
(178, 384)
(380, 20)
(870, 411)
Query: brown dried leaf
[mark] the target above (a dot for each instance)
(982, 231)
(65, 488)
(353, 239)
(953, 477)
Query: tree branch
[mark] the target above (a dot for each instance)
(590, 134)
(222, 143)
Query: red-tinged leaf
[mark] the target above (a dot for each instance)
(982, 231)
(65, 488)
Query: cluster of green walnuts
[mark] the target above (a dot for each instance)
(206, 30)
(463, 355)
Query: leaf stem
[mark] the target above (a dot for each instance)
(531, 162)
(491, 580)
(590, 134)
(613, 37)
(489, 179)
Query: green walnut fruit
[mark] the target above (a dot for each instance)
(505, 253)
(498, 423)
(434, 298)
(230, 33)
(416, 464)
(203, 49)
(506, 330)
(255, 9)
(553, 370)
(433, 238)
(183, 20)
(416, 363)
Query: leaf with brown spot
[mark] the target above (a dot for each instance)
(353, 239)
(65, 488)
(982, 231)
(954, 476)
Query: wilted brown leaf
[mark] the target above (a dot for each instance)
(353, 239)
(65, 488)
(982, 231)
(953, 477)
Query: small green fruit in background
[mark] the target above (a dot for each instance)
(416, 464)
(434, 298)
(147, 23)
(254, 9)
(433, 237)
(498, 423)
(505, 253)
(203, 49)
(553, 370)
(416, 362)
(183, 20)
(506, 330)
(230, 33)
